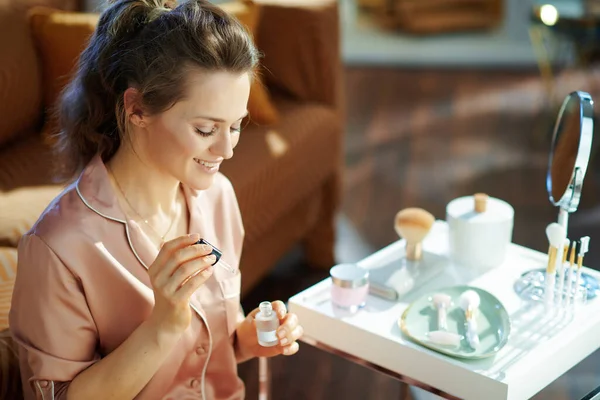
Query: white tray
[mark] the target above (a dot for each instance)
(538, 351)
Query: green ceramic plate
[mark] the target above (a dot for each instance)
(493, 323)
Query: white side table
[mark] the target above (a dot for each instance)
(538, 351)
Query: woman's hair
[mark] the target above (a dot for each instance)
(148, 46)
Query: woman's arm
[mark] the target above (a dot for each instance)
(180, 268)
(128, 368)
(50, 319)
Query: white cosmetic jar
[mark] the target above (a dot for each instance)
(480, 230)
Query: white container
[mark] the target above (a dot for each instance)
(480, 230)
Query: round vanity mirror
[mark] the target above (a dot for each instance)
(570, 153)
(569, 156)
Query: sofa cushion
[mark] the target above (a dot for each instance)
(273, 169)
(20, 93)
(20, 209)
(61, 36)
(8, 270)
(25, 162)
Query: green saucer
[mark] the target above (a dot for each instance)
(493, 323)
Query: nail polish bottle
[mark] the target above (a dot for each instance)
(266, 325)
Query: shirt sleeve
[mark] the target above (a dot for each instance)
(50, 321)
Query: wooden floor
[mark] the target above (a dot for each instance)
(422, 138)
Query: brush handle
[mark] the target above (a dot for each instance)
(549, 289)
(442, 320)
(471, 333)
(569, 293)
(577, 283)
(561, 281)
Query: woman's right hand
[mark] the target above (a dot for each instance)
(180, 268)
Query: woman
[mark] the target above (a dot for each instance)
(106, 277)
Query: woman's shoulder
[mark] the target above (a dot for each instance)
(64, 219)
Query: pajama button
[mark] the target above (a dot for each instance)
(194, 383)
(200, 350)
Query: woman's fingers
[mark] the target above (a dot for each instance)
(279, 308)
(291, 349)
(289, 331)
(187, 270)
(179, 257)
(193, 283)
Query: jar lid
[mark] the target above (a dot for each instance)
(349, 275)
(470, 208)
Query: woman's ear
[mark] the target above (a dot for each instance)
(132, 101)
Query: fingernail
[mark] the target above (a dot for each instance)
(210, 259)
(284, 341)
(194, 236)
(281, 313)
(281, 334)
(207, 271)
(206, 248)
(286, 350)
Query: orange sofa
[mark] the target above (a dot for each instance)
(286, 170)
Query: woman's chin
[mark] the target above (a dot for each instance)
(200, 182)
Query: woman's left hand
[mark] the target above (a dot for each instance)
(288, 333)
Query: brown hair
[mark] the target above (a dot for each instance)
(142, 44)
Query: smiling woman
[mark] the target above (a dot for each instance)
(113, 282)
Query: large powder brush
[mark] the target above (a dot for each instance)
(413, 224)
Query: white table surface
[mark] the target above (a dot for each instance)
(540, 349)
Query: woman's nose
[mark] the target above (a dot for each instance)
(223, 146)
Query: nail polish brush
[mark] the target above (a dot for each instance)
(469, 302)
(556, 235)
(584, 246)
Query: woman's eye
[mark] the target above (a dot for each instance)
(206, 132)
(236, 129)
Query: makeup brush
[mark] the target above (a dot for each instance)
(561, 269)
(469, 302)
(442, 302)
(584, 246)
(413, 224)
(556, 236)
(569, 272)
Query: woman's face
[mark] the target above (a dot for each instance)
(190, 140)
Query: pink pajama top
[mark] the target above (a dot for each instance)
(82, 288)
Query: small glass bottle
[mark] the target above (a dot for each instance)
(266, 325)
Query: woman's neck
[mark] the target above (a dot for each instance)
(149, 192)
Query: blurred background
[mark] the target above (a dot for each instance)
(363, 108)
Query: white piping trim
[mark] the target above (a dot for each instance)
(37, 383)
(210, 340)
(93, 209)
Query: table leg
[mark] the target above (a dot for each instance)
(264, 379)
(391, 374)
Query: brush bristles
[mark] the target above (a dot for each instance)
(556, 234)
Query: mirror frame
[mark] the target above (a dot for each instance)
(570, 198)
